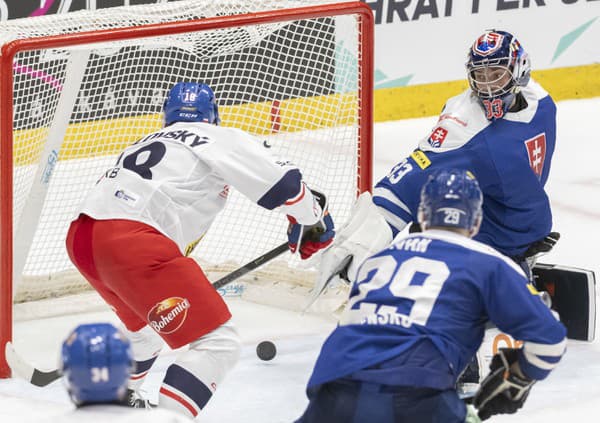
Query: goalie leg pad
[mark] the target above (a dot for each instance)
(366, 233)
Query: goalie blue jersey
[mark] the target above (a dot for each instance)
(418, 310)
(510, 158)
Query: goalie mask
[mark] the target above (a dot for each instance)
(451, 198)
(96, 362)
(497, 67)
(191, 102)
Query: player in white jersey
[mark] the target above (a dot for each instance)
(96, 362)
(136, 225)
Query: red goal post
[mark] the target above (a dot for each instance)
(287, 115)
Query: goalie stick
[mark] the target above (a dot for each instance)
(26, 371)
(318, 290)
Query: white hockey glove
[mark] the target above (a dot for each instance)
(314, 237)
(364, 234)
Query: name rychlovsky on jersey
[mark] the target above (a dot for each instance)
(186, 137)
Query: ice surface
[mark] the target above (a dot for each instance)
(272, 392)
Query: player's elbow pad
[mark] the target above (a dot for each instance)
(288, 188)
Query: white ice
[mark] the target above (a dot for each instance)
(271, 392)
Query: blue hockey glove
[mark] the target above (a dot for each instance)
(314, 237)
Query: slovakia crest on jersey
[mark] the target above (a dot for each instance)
(437, 137)
(536, 151)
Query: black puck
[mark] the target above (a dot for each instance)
(266, 350)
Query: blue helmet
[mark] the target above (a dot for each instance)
(451, 198)
(96, 362)
(191, 102)
(497, 67)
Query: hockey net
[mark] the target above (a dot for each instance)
(77, 88)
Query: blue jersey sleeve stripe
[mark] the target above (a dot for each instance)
(532, 372)
(537, 348)
(538, 360)
(394, 215)
(550, 359)
(395, 222)
(287, 187)
(391, 197)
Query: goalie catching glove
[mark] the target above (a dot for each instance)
(311, 238)
(543, 245)
(505, 389)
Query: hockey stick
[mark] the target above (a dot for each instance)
(23, 370)
(248, 267)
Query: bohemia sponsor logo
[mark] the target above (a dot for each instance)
(168, 315)
(437, 137)
(536, 151)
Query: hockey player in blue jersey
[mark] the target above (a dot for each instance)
(417, 313)
(502, 129)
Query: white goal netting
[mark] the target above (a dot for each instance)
(78, 100)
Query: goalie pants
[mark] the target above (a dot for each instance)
(145, 279)
(352, 401)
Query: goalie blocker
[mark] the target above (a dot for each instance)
(573, 293)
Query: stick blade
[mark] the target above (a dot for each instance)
(21, 369)
(17, 365)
